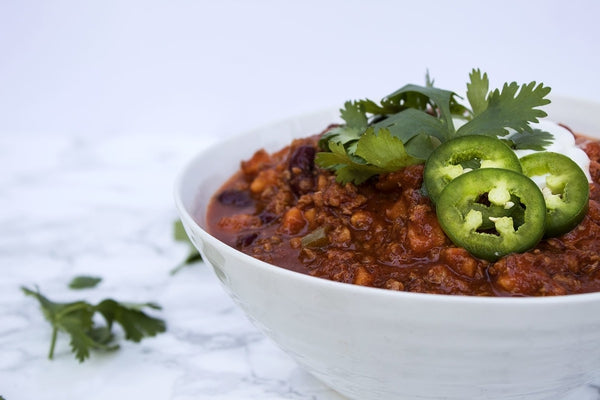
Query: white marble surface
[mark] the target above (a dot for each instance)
(101, 104)
(103, 206)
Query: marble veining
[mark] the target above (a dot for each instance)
(72, 204)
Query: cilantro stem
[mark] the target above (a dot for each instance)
(192, 258)
(70, 308)
(52, 343)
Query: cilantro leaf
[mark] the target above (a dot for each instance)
(74, 318)
(477, 91)
(355, 117)
(179, 233)
(429, 82)
(422, 97)
(384, 151)
(77, 320)
(409, 123)
(84, 282)
(132, 319)
(375, 154)
(103, 336)
(535, 139)
(348, 168)
(509, 109)
(77, 324)
(421, 146)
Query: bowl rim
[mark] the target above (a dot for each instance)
(352, 289)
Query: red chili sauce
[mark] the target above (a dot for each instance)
(282, 209)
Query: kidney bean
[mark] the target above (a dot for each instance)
(246, 240)
(266, 217)
(232, 197)
(303, 158)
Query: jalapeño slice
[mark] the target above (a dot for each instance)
(492, 212)
(463, 154)
(565, 188)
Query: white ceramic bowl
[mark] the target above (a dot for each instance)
(371, 343)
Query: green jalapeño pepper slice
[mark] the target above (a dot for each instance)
(463, 154)
(492, 212)
(565, 189)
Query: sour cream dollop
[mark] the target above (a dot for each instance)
(563, 142)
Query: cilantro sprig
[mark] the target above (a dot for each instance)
(407, 125)
(512, 107)
(77, 320)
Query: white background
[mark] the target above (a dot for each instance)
(214, 68)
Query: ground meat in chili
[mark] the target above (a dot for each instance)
(282, 209)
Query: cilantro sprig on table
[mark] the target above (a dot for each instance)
(407, 125)
(77, 320)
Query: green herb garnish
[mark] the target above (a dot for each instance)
(193, 256)
(525, 141)
(406, 126)
(513, 107)
(84, 282)
(77, 319)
